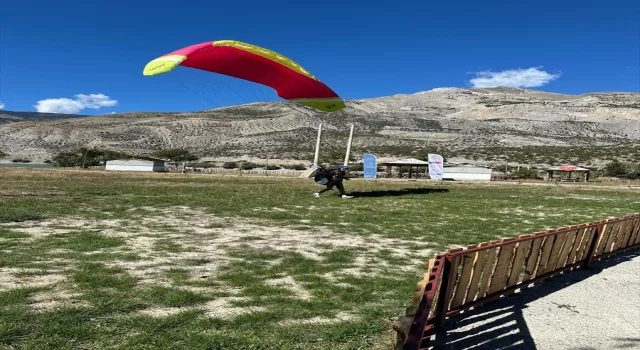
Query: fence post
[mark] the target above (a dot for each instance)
(448, 275)
(593, 245)
(419, 333)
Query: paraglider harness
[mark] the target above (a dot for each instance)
(323, 176)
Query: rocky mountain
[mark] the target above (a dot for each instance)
(13, 117)
(475, 125)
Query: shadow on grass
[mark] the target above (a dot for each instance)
(501, 324)
(392, 193)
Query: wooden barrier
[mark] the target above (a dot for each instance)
(471, 277)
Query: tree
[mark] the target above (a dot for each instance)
(3, 155)
(86, 157)
(634, 171)
(296, 167)
(525, 173)
(178, 155)
(67, 159)
(615, 169)
(230, 165)
(248, 166)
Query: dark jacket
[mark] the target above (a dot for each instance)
(337, 175)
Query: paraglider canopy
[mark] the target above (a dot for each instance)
(249, 62)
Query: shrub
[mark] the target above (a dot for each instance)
(230, 165)
(248, 166)
(356, 167)
(296, 167)
(176, 155)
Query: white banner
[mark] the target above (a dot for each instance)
(436, 166)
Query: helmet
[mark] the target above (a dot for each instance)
(342, 167)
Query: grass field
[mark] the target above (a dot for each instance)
(94, 260)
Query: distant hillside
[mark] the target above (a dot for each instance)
(13, 117)
(474, 125)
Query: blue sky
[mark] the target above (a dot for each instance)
(74, 55)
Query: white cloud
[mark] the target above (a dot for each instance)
(2, 105)
(519, 78)
(80, 102)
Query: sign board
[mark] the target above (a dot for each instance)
(370, 166)
(436, 166)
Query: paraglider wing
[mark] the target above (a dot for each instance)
(256, 64)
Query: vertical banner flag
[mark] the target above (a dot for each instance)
(436, 166)
(370, 166)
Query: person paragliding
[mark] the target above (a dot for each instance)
(332, 178)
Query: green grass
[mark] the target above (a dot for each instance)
(291, 271)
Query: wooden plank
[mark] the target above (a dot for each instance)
(532, 260)
(478, 268)
(566, 249)
(589, 236)
(434, 303)
(420, 287)
(518, 262)
(487, 271)
(622, 234)
(499, 280)
(555, 252)
(462, 286)
(634, 229)
(544, 256)
(629, 236)
(623, 242)
(602, 240)
(636, 239)
(455, 263)
(578, 245)
(617, 227)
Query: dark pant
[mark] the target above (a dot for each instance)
(338, 185)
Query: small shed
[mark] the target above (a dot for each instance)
(467, 173)
(567, 171)
(136, 164)
(409, 162)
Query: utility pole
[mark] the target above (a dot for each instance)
(346, 158)
(506, 168)
(317, 155)
(85, 158)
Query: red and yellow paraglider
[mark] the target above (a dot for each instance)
(256, 64)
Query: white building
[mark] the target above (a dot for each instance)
(136, 164)
(467, 173)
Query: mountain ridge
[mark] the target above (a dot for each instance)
(442, 118)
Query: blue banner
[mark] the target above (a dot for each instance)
(370, 167)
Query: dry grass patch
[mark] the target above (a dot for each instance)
(167, 260)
